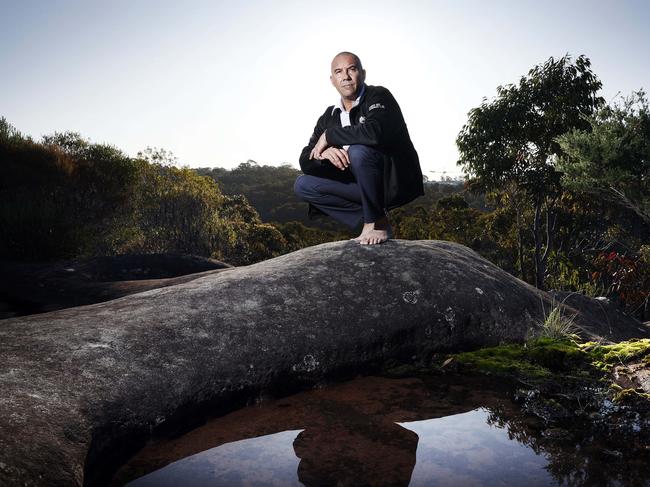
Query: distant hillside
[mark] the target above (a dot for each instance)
(269, 189)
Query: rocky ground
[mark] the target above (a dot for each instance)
(35, 287)
(84, 387)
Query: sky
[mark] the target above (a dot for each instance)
(221, 82)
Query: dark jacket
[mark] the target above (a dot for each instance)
(376, 121)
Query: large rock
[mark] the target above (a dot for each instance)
(83, 387)
(37, 287)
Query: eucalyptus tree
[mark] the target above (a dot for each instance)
(612, 159)
(509, 142)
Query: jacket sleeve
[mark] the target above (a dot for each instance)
(312, 166)
(315, 167)
(382, 126)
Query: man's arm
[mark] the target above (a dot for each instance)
(323, 164)
(383, 125)
(313, 166)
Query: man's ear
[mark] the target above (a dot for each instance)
(332, 81)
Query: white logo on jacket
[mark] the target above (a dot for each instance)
(376, 105)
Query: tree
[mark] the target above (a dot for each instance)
(612, 158)
(510, 141)
(157, 155)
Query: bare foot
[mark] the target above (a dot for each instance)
(367, 227)
(375, 233)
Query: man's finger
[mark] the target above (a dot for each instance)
(340, 162)
(346, 156)
(345, 159)
(342, 158)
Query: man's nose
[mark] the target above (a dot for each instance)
(347, 74)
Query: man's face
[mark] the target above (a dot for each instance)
(347, 76)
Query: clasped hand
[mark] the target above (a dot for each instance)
(338, 157)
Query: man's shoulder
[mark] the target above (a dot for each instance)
(377, 91)
(378, 95)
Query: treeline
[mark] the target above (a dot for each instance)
(270, 190)
(64, 197)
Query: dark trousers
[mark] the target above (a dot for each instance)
(349, 202)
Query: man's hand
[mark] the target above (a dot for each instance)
(320, 146)
(338, 157)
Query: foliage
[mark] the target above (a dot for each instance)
(510, 142)
(299, 236)
(611, 157)
(557, 325)
(512, 138)
(66, 197)
(158, 155)
(62, 197)
(269, 189)
(626, 278)
(177, 211)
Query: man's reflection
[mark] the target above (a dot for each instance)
(354, 453)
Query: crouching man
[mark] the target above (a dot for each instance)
(360, 161)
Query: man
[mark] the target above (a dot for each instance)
(360, 161)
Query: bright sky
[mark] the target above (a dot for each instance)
(221, 82)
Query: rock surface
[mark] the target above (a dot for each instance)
(35, 287)
(83, 387)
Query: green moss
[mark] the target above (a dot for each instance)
(507, 360)
(627, 396)
(540, 358)
(556, 355)
(544, 359)
(605, 356)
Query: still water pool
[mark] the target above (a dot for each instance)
(437, 431)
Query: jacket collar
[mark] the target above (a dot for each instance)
(339, 103)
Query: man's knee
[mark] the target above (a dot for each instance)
(299, 186)
(360, 154)
(304, 186)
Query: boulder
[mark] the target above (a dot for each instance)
(38, 287)
(84, 387)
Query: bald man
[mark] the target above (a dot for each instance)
(360, 161)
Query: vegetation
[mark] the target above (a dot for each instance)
(557, 324)
(543, 360)
(611, 159)
(509, 143)
(606, 356)
(65, 197)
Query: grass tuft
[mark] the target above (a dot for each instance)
(557, 325)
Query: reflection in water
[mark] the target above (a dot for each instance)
(464, 449)
(372, 431)
(269, 460)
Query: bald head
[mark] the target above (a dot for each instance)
(356, 58)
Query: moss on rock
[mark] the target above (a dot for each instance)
(540, 358)
(627, 396)
(606, 356)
